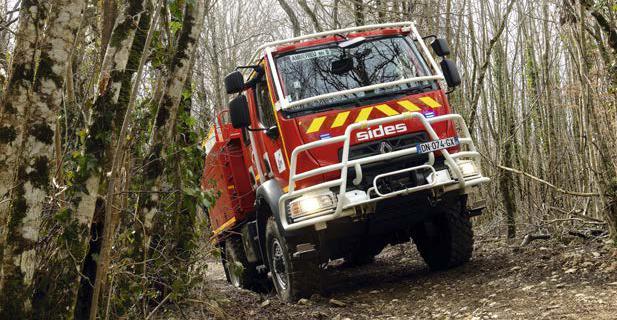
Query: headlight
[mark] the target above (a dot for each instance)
(311, 204)
(468, 167)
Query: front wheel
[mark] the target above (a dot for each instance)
(446, 239)
(293, 279)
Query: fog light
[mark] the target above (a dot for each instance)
(468, 168)
(311, 204)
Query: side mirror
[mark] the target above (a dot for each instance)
(234, 82)
(450, 72)
(441, 47)
(239, 112)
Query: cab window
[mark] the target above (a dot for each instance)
(264, 105)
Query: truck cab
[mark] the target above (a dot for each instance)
(348, 144)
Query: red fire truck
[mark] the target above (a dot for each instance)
(334, 145)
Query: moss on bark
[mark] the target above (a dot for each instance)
(39, 176)
(7, 134)
(45, 71)
(42, 132)
(135, 7)
(12, 306)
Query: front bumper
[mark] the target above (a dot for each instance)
(455, 179)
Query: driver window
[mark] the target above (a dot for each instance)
(264, 105)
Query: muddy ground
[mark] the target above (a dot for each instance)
(566, 278)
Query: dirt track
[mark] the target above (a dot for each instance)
(565, 279)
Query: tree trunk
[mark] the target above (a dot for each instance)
(292, 17)
(311, 15)
(111, 214)
(36, 106)
(14, 101)
(335, 14)
(165, 122)
(109, 12)
(358, 12)
(120, 62)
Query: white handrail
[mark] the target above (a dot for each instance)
(338, 31)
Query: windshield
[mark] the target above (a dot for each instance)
(330, 69)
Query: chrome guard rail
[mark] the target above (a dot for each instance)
(345, 164)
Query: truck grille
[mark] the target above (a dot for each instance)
(370, 171)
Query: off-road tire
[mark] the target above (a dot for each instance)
(247, 277)
(446, 239)
(303, 277)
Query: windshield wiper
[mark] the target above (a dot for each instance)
(408, 90)
(349, 102)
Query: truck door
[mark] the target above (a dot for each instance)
(272, 154)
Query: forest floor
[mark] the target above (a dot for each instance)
(569, 278)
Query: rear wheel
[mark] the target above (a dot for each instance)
(239, 272)
(293, 279)
(446, 239)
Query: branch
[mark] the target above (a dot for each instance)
(531, 237)
(572, 220)
(158, 306)
(556, 188)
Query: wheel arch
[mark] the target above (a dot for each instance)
(266, 205)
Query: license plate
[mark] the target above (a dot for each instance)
(433, 146)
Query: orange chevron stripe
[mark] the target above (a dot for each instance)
(340, 119)
(364, 114)
(430, 102)
(316, 124)
(387, 110)
(409, 106)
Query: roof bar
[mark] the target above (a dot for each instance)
(334, 32)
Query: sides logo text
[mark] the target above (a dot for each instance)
(380, 132)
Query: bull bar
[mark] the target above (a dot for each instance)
(342, 202)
